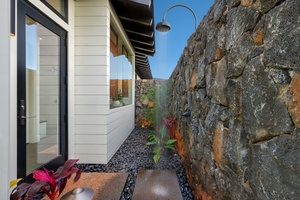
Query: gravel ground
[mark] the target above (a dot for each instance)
(134, 154)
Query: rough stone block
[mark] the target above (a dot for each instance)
(264, 115)
(281, 37)
(274, 169)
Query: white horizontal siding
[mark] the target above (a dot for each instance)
(91, 100)
(90, 119)
(91, 31)
(91, 60)
(120, 126)
(90, 41)
(90, 21)
(90, 124)
(123, 127)
(91, 11)
(91, 50)
(91, 109)
(91, 149)
(91, 158)
(119, 113)
(91, 70)
(90, 129)
(90, 140)
(98, 131)
(91, 80)
(91, 90)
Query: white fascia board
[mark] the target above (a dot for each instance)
(144, 2)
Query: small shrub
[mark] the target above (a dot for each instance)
(157, 109)
(161, 139)
(52, 183)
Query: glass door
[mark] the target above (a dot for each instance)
(41, 92)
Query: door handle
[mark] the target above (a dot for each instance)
(22, 113)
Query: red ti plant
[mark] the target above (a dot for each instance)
(52, 183)
(169, 122)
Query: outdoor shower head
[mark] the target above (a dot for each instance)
(163, 26)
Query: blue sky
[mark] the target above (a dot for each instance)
(170, 45)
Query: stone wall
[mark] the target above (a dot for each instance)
(141, 87)
(239, 76)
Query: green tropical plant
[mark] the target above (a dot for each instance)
(149, 113)
(149, 116)
(150, 94)
(159, 96)
(161, 139)
(52, 183)
(119, 97)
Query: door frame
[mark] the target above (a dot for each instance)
(26, 9)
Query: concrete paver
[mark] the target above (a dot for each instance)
(157, 185)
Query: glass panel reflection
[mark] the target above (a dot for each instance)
(121, 72)
(58, 5)
(42, 95)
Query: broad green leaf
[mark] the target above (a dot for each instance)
(171, 141)
(157, 149)
(156, 158)
(163, 131)
(170, 147)
(153, 137)
(151, 143)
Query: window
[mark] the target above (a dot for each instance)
(60, 7)
(120, 72)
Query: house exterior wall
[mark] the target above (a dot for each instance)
(120, 120)
(91, 80)
(94, 131)
(7, 142)
(98, 131)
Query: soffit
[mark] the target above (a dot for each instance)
(137, 17)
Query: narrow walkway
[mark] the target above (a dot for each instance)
(134, 155)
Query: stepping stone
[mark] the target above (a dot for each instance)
(157, 184)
